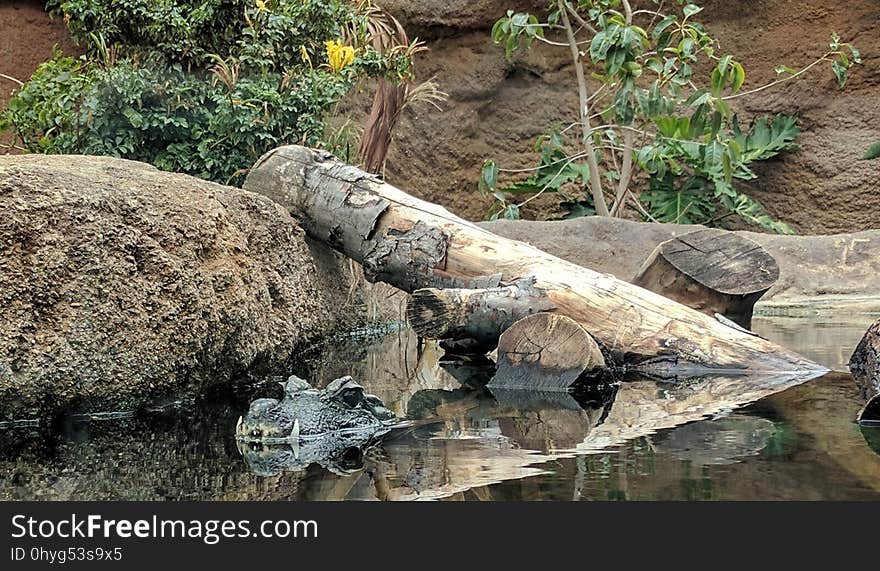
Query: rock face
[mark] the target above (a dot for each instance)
(452, 15)
(865, 363)
(119, 282)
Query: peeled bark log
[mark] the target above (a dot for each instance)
(413, 244)
(712, 271)
(480, 315)
(545, 352)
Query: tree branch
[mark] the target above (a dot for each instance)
(584, 114)
(625, 173)
(577, 18)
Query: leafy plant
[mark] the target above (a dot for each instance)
(202, 88)
(654, 116)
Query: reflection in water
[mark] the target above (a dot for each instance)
(872, 437)
(826, 339)
(647, 440)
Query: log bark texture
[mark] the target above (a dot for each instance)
(480, 315)
(864, 364)
(711, 270)
(545, 352)
(414, 244)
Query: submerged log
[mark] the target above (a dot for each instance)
(713, 271)
(413, 244)
(864, 364)
(545, 352)
(480, 315)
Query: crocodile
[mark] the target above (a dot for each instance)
(331, 427)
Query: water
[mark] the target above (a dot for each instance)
(725, 438)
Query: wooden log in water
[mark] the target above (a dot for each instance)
(413, 244)
(864, 364)
(480, 315)
(545, 352)
(713, 271)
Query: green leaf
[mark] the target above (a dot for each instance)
(135, 118)
(873, 152)
(489, 178)
(699, 97)
(688, 203)
(499, 30)
(840, 72)
(751, 210)
(723, 63)
(737, 76)
(713, 157)
(856, 55)
(511, 212)
(691, 9)
(718, 80)
(662, 25)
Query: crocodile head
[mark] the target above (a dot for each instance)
(329, 427)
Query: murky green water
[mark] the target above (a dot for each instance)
(723, 438)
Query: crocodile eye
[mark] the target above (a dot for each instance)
(352, 397)
(351, 459)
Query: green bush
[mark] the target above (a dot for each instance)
(203, 88)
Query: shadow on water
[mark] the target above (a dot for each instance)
(696, 439)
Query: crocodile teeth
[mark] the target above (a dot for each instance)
(294, 439)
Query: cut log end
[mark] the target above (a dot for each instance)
(713, 271)
(545, 352)
(431, 313)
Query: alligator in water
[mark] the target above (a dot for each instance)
(337, 426)
(331, 427)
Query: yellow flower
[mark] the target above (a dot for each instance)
(338, 55)
(305, 55)
(261, 5)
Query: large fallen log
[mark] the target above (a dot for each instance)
(412, 244)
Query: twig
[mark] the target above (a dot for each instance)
(639, 207)
(546, 186)
(556, 162)
(778, 81)
(625, 173)
(12, 79)
(577, 18)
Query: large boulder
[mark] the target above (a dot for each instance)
(121, 283)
